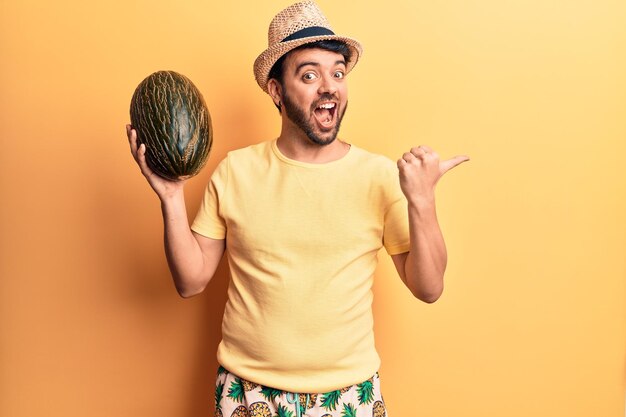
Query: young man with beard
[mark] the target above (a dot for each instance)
(302, 219)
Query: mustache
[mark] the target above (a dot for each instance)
(324, 97)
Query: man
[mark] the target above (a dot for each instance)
(302, 218)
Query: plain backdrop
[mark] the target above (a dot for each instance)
(533, 318)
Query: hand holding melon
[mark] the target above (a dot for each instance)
(164, 187)
(173, 124)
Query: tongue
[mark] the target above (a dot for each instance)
(323, 116)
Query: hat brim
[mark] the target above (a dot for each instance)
(264, 62)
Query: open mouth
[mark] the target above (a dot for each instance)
(325, 114)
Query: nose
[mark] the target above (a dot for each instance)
(327, 85)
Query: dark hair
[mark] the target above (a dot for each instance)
(332, 45)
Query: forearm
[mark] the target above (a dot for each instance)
(192, 259)
(426, 261)
(184, 255)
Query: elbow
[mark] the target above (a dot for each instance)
(188, 291)
(429, 295)
(426, 283)
(188, 285)
(429, 298)
(186, 294)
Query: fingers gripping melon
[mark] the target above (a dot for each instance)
(172, 120)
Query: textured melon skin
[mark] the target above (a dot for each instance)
(172, 120)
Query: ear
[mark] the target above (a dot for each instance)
(275, 91)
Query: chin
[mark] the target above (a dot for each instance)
(322, 141)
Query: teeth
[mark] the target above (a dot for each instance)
(326, 106)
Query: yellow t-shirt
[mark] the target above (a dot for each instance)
(302, 242)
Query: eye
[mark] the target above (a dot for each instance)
(339, 74)
(309, 76)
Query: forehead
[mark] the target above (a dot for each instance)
(313, 56)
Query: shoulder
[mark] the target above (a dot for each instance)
(250, 154)
(245, 157)
(371, 157)
(243, 162)
(249, 151)
(373, 162)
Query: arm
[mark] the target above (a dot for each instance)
(422, 268)
(192, 258)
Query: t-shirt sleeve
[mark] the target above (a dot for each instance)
(209, 221)
(396, 226)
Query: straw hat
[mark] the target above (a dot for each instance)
(296, 25)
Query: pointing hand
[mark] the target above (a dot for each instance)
(420, 169)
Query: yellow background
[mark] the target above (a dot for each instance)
(532, 321)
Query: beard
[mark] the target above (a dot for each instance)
(300, 119)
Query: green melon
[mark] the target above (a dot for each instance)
(172, 120)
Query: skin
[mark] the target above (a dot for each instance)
(312, 77)
(423, 267)
(308, 75)
(192, 258)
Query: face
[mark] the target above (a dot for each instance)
(314, 93)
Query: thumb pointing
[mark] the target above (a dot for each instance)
(447, 165)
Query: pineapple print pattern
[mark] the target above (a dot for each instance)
(379, 409)
(366, 392)
(240, 411)
(260, 409)
(219, 393)
(237, 397)
(248, 386)
(307, 405)
(236, 390)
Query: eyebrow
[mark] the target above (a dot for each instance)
(316, 64)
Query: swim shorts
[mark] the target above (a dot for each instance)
(236, 397)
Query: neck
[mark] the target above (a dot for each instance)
(295, 144)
